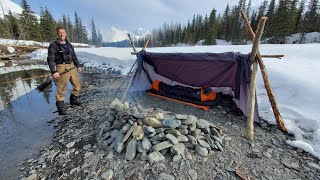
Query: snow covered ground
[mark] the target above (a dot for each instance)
(34, 43)
(294, 81)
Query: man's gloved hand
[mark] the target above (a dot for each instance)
(79, 69)
(56, 75)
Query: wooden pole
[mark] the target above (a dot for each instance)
(264, 73)
(133, 72)
(252, 93)
(146, 44)
(272, 56)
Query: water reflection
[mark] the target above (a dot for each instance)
(23, 118)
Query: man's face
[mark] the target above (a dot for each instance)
(62, 34)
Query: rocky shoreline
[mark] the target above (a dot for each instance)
(152, 138)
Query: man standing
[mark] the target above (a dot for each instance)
(61, 58)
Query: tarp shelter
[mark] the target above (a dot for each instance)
(228, 73)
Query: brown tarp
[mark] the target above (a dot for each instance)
(224, 72)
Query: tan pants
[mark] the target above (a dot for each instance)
(63, 80)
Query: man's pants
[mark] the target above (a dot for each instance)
(63, 80)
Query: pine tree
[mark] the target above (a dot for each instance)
(70, 29)
(293, 16)
(47, 25)
(29, 28)
(213, 27)
(312, 16)
(77, 28)
(281, 26)
(270, 15)
(13, 25)
(94, 36)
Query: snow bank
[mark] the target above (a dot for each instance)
(293, 79)
(15, 67)
(35, 43)
(313, 37)
(223, 42)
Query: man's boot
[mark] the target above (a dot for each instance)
(74, 100)
(62, 109)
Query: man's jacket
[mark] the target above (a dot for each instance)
(59, 54)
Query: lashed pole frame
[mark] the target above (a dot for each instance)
(134, 67)
(252, 92)
(133, 72)
(269, 90)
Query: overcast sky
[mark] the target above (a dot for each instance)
(131, 14)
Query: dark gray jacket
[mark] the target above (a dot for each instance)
(58, 55)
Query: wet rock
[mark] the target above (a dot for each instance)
(149, 129)
(203, 124)
(190, 120)
(182, 138)
(181, 116)
(193, 174)
(165, 176)
(161, 146)
(204, 144)
(138, 133)
(131, 149)
(107, 175)
(155, 157)
(172, 138)
(178, 148)
(140, 115)
(171, 122)
(173, 132)
(201, 150)
(153, 122)
(146, 144)
(129, 132)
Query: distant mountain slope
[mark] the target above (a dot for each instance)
(6, 5)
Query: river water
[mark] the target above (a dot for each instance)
(24, 115)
